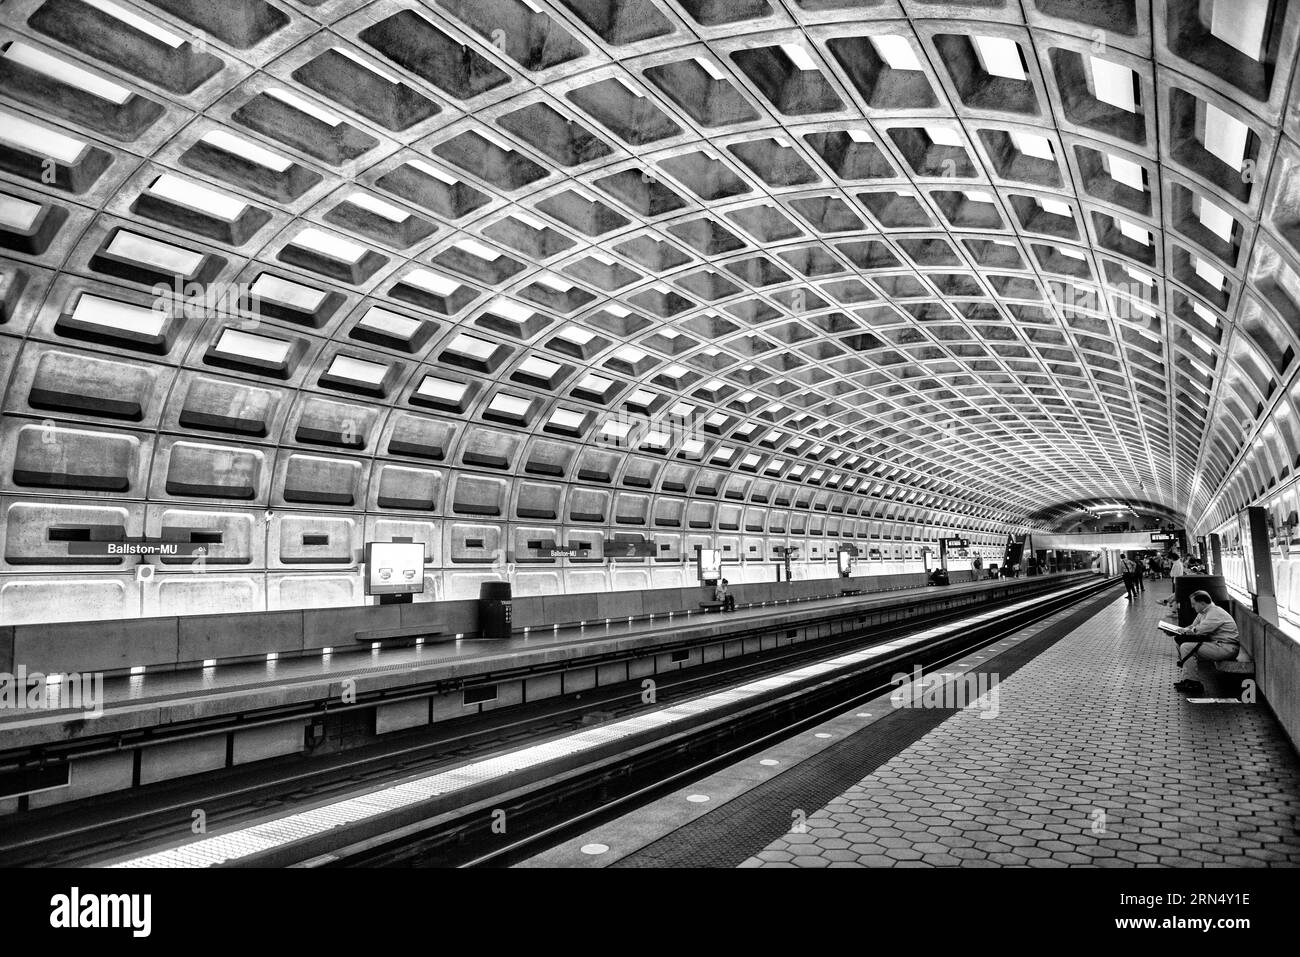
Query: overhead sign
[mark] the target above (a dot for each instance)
(1164, 536)
(957, 542)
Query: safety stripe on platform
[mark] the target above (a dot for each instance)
(231, 846)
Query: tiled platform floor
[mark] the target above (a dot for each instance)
(1093, 760)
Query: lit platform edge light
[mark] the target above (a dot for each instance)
(243, 842)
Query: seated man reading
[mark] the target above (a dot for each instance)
(1213, 637)
(722, 594)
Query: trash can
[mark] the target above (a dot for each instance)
(494, 610)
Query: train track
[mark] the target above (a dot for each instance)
(245, 797)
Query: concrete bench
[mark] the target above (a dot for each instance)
(711, 605)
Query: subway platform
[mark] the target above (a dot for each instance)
(1079, 754)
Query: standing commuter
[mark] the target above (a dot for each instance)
(1140, 573)
(1128, 570)
(1176, 571)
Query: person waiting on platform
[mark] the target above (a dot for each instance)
(1128, 570)
(1140, 573)
(1214, 638)
(1176, 571)
(723, 594)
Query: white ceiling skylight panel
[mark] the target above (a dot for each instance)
(1225, 136)
(1214, 218)
(595, 383)
(246, 149)
(1206, 314)
(615, 430)
(304, 106)
(373, 204)
(529, 220)
(799, 56)
(1114, 84)
(367, 65)
(31, 138)
(944, 136)
(432, 282)
(539, 367)
(1000, 57)
(1211, 275)
(252, 346)
(444, 389)
(1138, 276)
(1240, 24)
(358, 370)
(477, 249)
(287, 293)
(473, 347)
(1139, 234)
(142, 249)
(509, 309)
(1054, 206)
(64, 72)
(138, 23)
(390, 323)
(1030, 144)
(576, 335)
(896, 52)
(1124, 171)
(182, 192)
(496, 139)
(511, 405)
(566, 419)
(329, 245)
(428, 169)
(16, 214)
(711, 68)
(123, 316)
(552, 281)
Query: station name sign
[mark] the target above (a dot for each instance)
(1165, 536)
(125, 547)
(957, 542)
